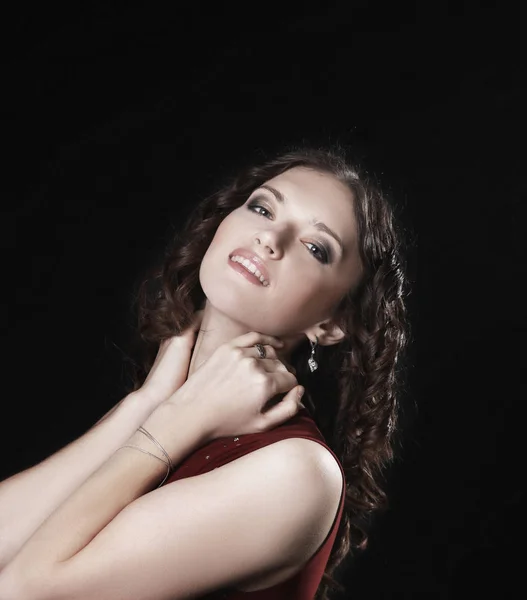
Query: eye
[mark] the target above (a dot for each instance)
(322, 255)
(254, 205)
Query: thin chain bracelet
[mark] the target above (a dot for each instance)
(150, 454)
(153, 439)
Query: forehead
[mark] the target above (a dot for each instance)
(313, 185)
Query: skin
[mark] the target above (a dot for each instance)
(303, 292)
(87, 548)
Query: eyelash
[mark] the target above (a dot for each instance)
(324, 256)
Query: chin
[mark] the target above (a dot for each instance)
(237, 299)
(224, 296)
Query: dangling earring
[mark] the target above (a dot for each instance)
(313, 365)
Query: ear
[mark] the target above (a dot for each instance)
(327, 332)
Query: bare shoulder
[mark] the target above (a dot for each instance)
(305, 459)
(314, 456)
(311, 482)
(323, 475)
(317, 451)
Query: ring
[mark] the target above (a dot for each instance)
(261, 350)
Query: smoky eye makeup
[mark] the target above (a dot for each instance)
(321, 252)
(258, 203)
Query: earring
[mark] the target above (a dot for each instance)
(313, 365)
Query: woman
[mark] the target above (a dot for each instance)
(212, 477)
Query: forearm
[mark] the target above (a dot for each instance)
(125, 476)
(29, 497)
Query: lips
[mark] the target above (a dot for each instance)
(252, 258)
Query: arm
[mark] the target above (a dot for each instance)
(124, 476)
(29, 497)
(186, 539)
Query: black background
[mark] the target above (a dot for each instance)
(116, 121)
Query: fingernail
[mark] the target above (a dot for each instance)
(300, 392)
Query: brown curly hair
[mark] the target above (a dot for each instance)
(354, 395)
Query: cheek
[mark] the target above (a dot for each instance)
(316, 305)
(212, 261)
(302, 302)
(226, 235)
(219, 246)
(214, 268)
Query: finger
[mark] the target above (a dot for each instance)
(283, 380)
(253, 337)
(272, 365)
(290, 368)
(270, 352)
(284, 410)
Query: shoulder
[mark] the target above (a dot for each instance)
(313, 458)
(301, 469)
(300, 484)
(310, 483)
(300, 457)
(322, 475)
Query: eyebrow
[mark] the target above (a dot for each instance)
(318, 224)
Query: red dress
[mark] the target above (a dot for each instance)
(221, 451)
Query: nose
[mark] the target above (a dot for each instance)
(270, 242)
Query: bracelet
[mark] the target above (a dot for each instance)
(151, 437)
(150, 454)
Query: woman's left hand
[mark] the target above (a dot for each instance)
(170, 368)
(236, 392)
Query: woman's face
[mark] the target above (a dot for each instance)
(307, 269)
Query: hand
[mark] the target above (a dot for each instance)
(231, 389)
(170, 368)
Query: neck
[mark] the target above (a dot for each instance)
(217, 328)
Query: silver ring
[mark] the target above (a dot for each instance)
(261, 350)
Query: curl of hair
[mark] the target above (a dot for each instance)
(353, 396)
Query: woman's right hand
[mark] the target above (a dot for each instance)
(231, 388)
(170, 368)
